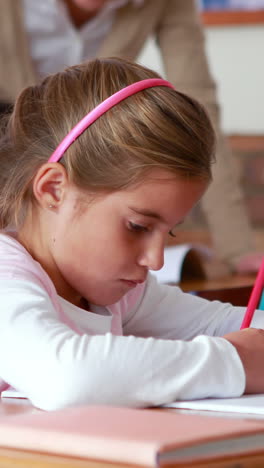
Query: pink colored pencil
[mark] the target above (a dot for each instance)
(254, 298)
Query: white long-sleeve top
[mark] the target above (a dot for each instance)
(156, 345)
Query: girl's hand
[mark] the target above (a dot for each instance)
(249, 344)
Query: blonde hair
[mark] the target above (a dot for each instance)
(156, 128)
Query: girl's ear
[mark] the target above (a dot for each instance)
(49, 185)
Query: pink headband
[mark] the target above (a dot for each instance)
(99, 110)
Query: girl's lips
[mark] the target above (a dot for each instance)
(133, 283)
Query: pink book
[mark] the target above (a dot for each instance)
(132, 436)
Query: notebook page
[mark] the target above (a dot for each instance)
(246, 404)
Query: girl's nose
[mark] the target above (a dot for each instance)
(152, 255)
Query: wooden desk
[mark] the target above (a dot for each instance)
(234, 289)
(19, 459)
(226, 282)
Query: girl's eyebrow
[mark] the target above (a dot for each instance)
(149, 213)
(152, 214)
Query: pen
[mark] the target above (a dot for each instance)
(255, 299)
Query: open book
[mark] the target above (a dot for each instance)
(132, 436)
(183, 261)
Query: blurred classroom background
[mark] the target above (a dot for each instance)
(234, 33)
(231, 4)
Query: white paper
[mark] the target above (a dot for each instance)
(246, 404)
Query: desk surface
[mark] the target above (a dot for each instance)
(233, 289)
(19, 459)
(226, 282)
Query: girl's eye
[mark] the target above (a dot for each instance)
(172, 234)
(137, 227)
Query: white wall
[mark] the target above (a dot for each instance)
(236, 57)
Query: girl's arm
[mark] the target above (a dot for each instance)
(55, 367)
(167, 312)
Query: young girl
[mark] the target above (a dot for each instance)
(97, 165)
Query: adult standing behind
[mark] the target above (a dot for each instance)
(39, 38)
